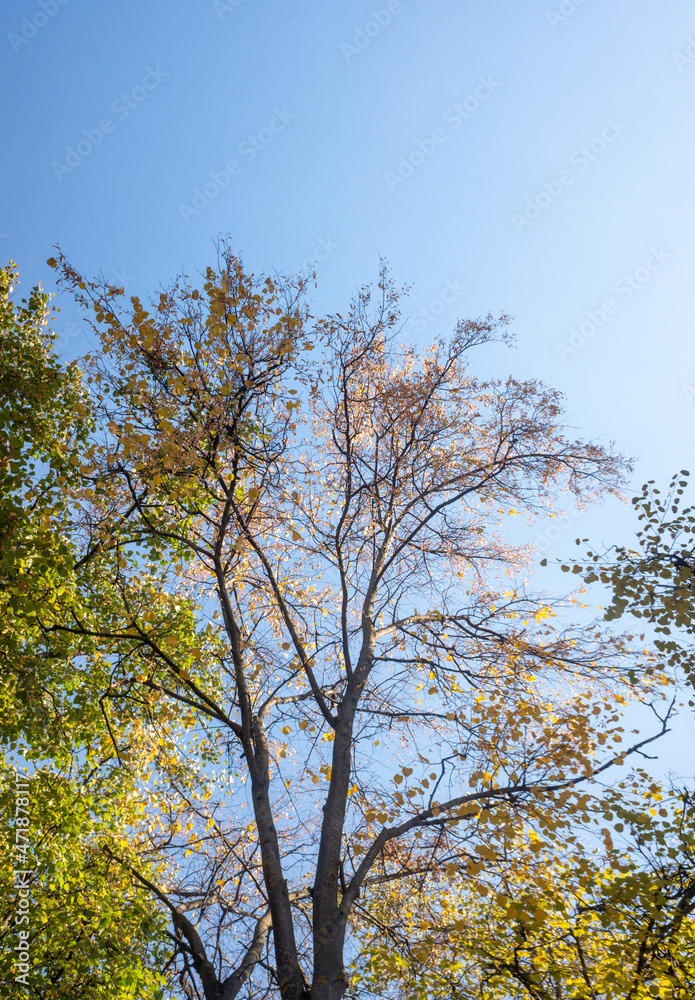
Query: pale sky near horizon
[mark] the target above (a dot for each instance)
(527, 156)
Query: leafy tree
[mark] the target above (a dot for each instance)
(656, 581)
(88, 933)
(610, 917)
(292, 598)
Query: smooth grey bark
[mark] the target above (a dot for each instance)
(255, 746)
(331, 913)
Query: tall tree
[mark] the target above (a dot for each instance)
(290, 558)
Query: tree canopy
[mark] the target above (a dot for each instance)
(91, 934)
(275, 639)
(655, 581)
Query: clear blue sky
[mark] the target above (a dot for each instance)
(532, 156)
(545, 153)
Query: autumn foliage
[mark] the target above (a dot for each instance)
(300, 649)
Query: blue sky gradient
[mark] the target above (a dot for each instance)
(531, 156)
